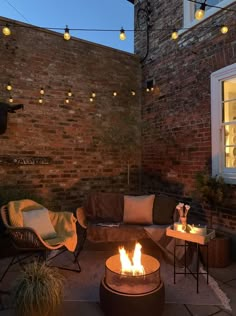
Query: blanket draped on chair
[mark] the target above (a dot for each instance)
(64, 223)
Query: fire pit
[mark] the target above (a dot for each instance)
(130, 287)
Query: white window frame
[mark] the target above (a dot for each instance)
(189, 20)
(229, 174)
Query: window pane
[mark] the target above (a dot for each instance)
(229, 100)
(211, 2)
(230, 145)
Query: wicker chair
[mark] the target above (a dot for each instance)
(28, 242)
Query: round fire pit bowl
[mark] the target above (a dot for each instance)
(132, 295)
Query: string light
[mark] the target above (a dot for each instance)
(69, 93)
(93, 95)
(91, 99)
(133, 93)
(174, 35)
(114, 93)
(67, 100)
(122, 34)
(10, 99)
(67, 34)
(224, 29)
(9, 86)
(42, 91)
(40, 100)
(6, 30)
(200, 13)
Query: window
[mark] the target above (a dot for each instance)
(190, 8)
(223, 123)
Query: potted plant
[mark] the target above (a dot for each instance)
(38, 291)
(212, 193)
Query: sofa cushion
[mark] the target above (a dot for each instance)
(138, 209)
(163, 209)
(103, 206)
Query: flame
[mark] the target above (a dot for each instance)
(135, 266)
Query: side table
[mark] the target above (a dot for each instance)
(197, 240)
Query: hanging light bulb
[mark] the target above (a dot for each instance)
(9, 86)
(147, 90)
(40, 100)
(224, 29)
(174, 35)
(133, 93)
(67, 100)
(6, 30)
(67, 34)
(93, 95)
(42, 91)
(10, 99)
(122, 34)
(200, 13)
(114, 93)
(69, 93)
(91, 99)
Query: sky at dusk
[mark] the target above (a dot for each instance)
(78, 14)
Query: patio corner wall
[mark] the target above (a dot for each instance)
(56, 152)
(177, 114)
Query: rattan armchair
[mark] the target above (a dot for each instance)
(28, 242)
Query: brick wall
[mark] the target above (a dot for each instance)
(71, 135)
(177, 118)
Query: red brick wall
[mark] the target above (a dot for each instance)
(177, 117)
(67, 133)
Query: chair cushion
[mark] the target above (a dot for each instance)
(138, 209)
(40, 221)
(163, 209)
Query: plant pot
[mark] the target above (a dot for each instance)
(218, 252)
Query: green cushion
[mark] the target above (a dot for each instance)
(163, 209)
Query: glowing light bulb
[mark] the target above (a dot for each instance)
(147, 90)
(10, 99)
(67, 100)
(122, 34)
(133, 92)
(6, 31)
(69, 93)
(67, 34)
(174, 35)
(114, 94)
(224, 29)
(42, 91)
(40, 100)
(200, 13)
(9, 86)
(93, 95)
(91, 99)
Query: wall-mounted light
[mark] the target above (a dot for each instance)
(10, 99)
(133, 92)
(224, 29)
(9, 86)
(122, 34)
(150, 85)
(114, 93)
(40, 100)
(93, 94)
(42, 91)
(69, 93)
(67, 100)
(67, 34)
(6, 30)
(174, 35)
(91, 99)
(200, 13)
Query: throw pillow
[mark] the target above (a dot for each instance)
(138, 209)
(163, 209)
(40, 221)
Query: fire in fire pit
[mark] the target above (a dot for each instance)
(131, 283)
(138, 275)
